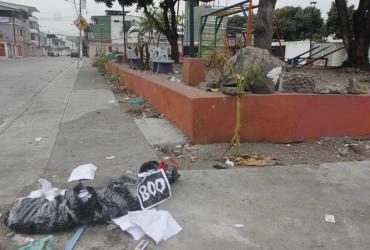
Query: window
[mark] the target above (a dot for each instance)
(116, 21)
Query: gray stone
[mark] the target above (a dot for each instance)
(251, 57)
(297, 82)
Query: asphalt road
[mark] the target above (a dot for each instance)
(21, 80)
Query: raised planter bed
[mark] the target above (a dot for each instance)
(281, 117)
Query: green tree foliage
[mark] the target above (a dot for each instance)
(333, 22)
(296, 23)
(167, 24)
(234, 25)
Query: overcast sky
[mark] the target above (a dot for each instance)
(56, 16)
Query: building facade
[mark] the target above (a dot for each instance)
(15, 31)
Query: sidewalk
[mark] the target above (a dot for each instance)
(281, 207)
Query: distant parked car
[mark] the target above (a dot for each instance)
(74, 53)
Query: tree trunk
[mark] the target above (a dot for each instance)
(356, 42)
(263, 24)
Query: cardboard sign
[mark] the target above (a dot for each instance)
(81, 23)
(154, 189)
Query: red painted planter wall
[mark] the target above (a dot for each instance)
(282, 117)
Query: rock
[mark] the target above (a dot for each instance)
(252, 57)
(297, 82)
(353, 88)
(229, 90)
(213, 75)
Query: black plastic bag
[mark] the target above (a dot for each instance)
(117, 199)
(39, 215)
(171, 171)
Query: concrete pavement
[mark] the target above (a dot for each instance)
(281, 207)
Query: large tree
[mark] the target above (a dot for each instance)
(235, 25)
(356, 39)
(296, 23)
(263, 24)
(332, 26)
(167, 25)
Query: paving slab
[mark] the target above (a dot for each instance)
(160, 132)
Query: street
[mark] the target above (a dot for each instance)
(73, 118)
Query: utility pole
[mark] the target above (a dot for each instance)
(124, 29)
(38, 33)
(191, 27)
(15, 38)
(80, 47)
(313, 3)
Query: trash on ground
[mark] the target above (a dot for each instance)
(166, 158)
(136, 101)
(142, 245)
(329, 218)
(39, 215)
(20, 240)
(83, 172)
(157, 224)
(229, 163)
(41, 244)
(46, 190)
(38, 139)
(288, 145)
(218, 166)
(75, 237)
(256, 160)
(110, 157)
(154, 189)
(193, 158)
(111, 226)
(83, 205)
(238, 225)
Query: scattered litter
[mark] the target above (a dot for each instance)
(46, 190)
(176, 72)
(180, 156)
(11, 234)
(75, 237)
(136, 101)
(129, 172)
(20, 240)
(288, 145)
(110, 157)
(112, 102)
(343, 151)
(217, 166)
(350, 144)
(178, 146)
(38, 139)
(158, 225)
(38, 215)
(83, 172)
(111, 226)
(256, 160)
(41, 244)
(329, 218)
(193, 158)
(166, 158)
(142, 245)
(229, 163)
(238, 225)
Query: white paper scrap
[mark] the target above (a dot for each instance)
(83, 172)
(329, 218)
(158, 225)
(38, 139)
(238, 225)
(110, 157)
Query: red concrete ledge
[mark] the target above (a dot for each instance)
(282, 117)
